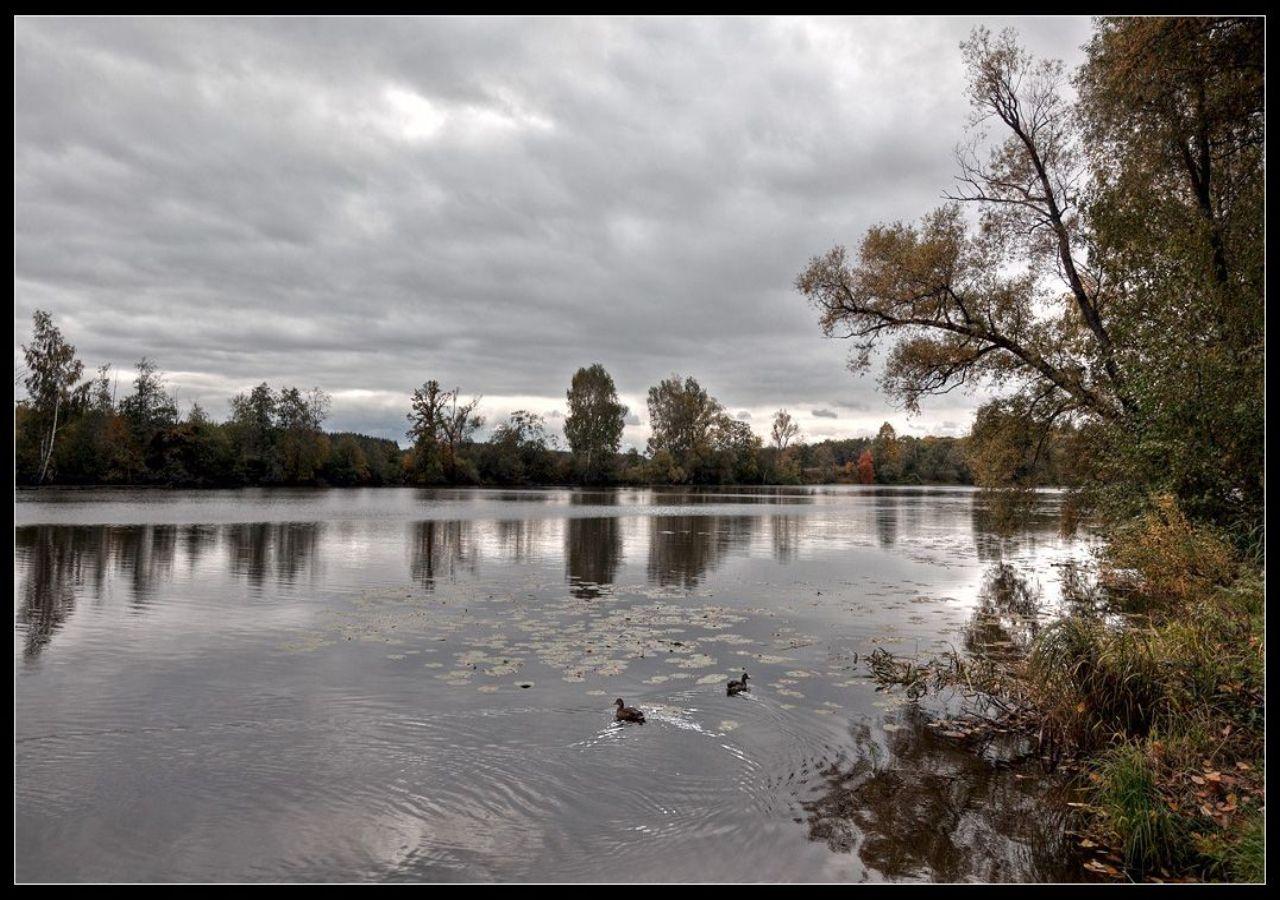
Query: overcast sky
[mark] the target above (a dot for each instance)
(362, 204)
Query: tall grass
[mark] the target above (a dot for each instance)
(1247, 860)
(1129, 796)
(1168, 696)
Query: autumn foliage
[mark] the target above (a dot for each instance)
(866, 468)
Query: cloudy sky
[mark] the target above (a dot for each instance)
(362, 204)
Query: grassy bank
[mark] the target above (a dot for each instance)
(1151, 690)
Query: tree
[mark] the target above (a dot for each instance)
(301, 447)
(197, 416)
(784, 430)
(1113, 280)
(887, 451)
(188, 453)
(866, 468)
(517, 451)
(50, 380)
(426, 415)
(963, 306)
(254, 433)
(99, 397)
(95, 446)
(457, 424)
(440, 427)
(1174, 125)
(149, 408)
(347, 463)
(681, 416)
(736, 451)
(824, 463)
(595, 421)
(426, 418)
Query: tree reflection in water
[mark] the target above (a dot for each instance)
(1007, 617)
(440, 549)
(886, 512)
(196, 539)
(592, 553)
(57, 561)
(682, 549)
(917, 807)
(144, 554)
(785, 532)
(282, 548)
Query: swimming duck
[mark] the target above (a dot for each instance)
(737, 687)
(627, 713)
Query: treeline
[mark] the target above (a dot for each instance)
(72, 432)
(75, 430)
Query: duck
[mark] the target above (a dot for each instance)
(737, 687)
(627, 713)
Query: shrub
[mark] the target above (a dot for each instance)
(1172, 559)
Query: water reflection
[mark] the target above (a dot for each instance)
(915, 807)
(772, 495)
(517, 539)
(592, 552)
(144, 555)
(196, 541)
(785, 534)
(682, 549)
(440, 550)
(999, 533)
(887, 517)
(1007, 616)
(282, 549)
(419, 712)
(56, 561)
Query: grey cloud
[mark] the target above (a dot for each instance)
(825, 414)
(855, 405)
(364, 204)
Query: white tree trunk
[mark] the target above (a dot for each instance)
(53, 433)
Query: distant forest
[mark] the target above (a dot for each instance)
(74, 431)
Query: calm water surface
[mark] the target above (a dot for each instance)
(406, 684)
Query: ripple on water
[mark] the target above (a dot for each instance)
(261, 701)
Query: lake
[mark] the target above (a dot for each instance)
(405, 684)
